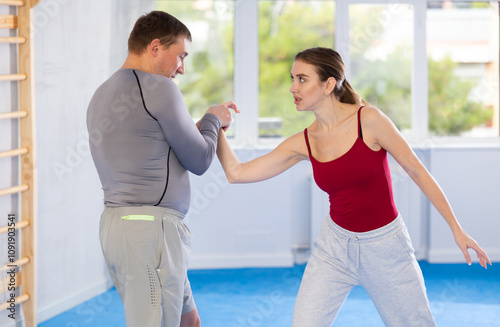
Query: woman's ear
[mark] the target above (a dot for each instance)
(330, 85)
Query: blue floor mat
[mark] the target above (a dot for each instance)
(460, 296)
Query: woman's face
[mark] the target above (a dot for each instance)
(307, 90)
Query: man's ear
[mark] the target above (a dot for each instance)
(154, 47)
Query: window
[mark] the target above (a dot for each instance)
(431, 66)
(381, 50)
(286, 28)
(462, 45)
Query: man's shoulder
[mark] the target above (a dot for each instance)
(132, 78)
(157, 84)
(118, 78)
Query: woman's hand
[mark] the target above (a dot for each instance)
(466, 242)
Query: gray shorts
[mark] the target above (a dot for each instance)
(146, 251)
(382, 261)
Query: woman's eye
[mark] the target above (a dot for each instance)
(301, 79)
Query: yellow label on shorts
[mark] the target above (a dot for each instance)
(138, 217)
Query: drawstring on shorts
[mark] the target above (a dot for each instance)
(349, 238)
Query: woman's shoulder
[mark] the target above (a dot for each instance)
(370, 111)
(295, 138)
(296, 143)
(372, 116)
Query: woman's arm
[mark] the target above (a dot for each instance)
(387, 136)
(287, 154)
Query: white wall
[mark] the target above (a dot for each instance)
(470, 177)
(78, 45)
(70, 45)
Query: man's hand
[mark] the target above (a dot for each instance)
(224, 113)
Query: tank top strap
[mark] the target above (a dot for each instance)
(307, 142)
(360, 132)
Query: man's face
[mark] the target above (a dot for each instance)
(170, 61)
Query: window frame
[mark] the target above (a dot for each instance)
(246, 72)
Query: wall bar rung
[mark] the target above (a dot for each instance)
(19, 225)
(20, 299)
(13, 153)
(17, 3)
(8, 21)
(13, 114)
(13, 39)
(16, 264)
(13, 77)
(14, 189)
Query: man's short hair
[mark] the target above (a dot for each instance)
(156, 25)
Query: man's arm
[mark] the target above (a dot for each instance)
(194, 148)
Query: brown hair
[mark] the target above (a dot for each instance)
(156, 25)
(328, 64)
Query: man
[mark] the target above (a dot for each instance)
(143, 142)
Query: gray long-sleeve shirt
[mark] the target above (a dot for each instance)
(144, 142)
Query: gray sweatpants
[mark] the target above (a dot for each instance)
(146, 251)
(382, 261)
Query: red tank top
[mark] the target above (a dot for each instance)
(359, 186)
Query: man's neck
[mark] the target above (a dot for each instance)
(134, 61)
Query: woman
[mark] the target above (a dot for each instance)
(364, 241)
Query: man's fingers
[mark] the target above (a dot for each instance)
(232, 105)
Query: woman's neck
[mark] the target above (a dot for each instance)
(331, 115)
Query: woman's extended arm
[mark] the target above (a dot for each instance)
(389, 138)
(287, 154)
